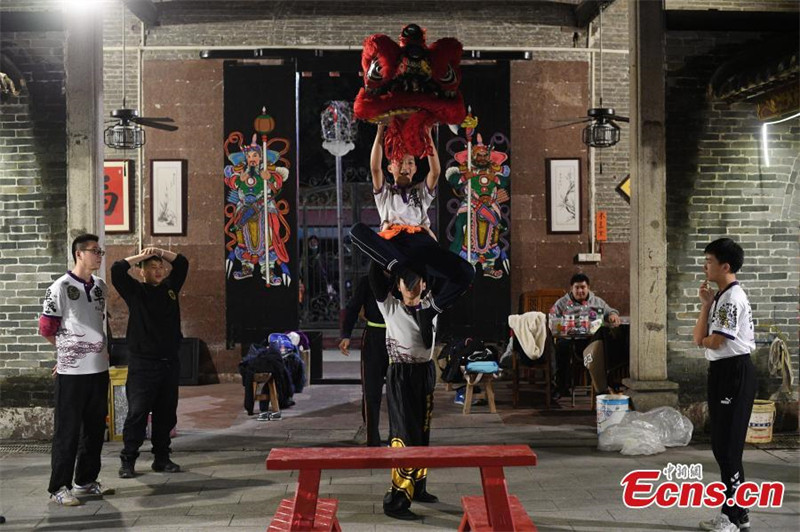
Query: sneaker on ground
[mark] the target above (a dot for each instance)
(459, 398)
(64, 497)
(743, 522)
(166, 465)
(460, 395)
(92, 488)
(127, 470)
(361, 435)
(720, 523)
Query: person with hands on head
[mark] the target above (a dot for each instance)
(154, 339)
(74, 320)
(724, 328)
(374, 360)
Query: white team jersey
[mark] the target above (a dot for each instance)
(81, 337)
(407, 206)
(730, 316)
(403, 337)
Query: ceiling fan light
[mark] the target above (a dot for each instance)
(124, 137)
(601, 134)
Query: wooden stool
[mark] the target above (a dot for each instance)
(472, 380)
(269, 384)
(305, 354)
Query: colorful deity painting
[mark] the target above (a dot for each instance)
(256, 226)
(480, 235)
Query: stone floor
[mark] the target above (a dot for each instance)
(225, 486)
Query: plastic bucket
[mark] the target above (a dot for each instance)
(611, 409)
(759, 430)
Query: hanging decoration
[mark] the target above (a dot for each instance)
(339, 131)
(256, 226)
(410, 86)
(339, 128)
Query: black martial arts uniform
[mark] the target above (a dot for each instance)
(410, 381)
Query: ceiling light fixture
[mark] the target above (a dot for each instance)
(602, 132)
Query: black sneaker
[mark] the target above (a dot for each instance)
(127, 470)
(425, 321)
(425, 496)
(165, 465)
(403, 514)
(743, 521)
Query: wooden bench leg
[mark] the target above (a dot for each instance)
(305, 499)
(273, 396)
(495, 493)
(468, 398)
(464, 526)
(490, 395)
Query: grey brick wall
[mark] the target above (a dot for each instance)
(734, 5)
(716, 183)
(717, 186)
(113, 93)
(32, 195)
(611, 165)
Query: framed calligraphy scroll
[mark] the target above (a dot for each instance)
(563, 196)
(117, 206)
(168, 197)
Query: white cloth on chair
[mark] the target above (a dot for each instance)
(530, 329)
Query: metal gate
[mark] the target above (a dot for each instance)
(320, 245)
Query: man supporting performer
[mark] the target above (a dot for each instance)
(154, 339)
(374, 360)
(406, 248)
(406, 242)
(410, 380)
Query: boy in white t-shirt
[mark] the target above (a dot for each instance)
(74, 320)
(725, 329)
(406, 244)
(410, 380)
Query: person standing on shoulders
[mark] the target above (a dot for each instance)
(154, 339)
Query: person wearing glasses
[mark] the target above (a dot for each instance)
(74, 320)
(154, 339)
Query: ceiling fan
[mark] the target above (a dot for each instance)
(126, 133)
(603, 131)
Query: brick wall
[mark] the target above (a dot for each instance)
(320, 24)
(32, 194)
(717, 186)
(542, 261)
(734, 5)
(611, 164)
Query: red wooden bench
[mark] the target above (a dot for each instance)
(496, 510)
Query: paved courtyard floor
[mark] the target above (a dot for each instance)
(225, 486)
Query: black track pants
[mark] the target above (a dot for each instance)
(731, 391)
(409, 396)
(79, 429)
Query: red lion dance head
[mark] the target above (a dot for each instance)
(412, 86)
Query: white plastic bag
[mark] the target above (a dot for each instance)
(647, 432)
